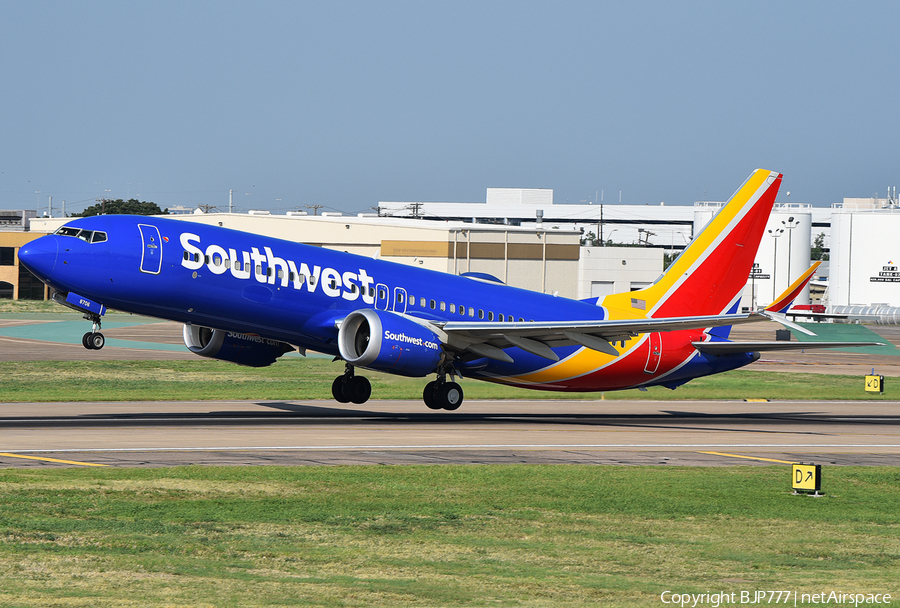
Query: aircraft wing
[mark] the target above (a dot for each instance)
(731, 348)
(488, 339)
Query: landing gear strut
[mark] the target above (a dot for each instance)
(349, 387)
(93, 340)
(442, 395)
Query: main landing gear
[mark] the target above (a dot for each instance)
(438, 394)
(93, 340)
(349, 387)
(442, 395)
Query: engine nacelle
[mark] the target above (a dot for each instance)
(243, 349)
(386, 341)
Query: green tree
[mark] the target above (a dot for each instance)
(817, 251)
(108, 206)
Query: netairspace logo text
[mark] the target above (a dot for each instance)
(795, 598)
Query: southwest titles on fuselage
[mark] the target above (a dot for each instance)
(265, 267)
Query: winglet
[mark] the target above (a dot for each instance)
(783, 302)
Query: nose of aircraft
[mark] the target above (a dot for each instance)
(39, 256)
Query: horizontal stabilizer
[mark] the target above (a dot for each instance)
(733, 348)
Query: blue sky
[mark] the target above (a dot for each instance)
(344, 104)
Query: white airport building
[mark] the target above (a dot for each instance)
(590, 250)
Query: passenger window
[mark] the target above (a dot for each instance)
(99, 237)
(501, 317)
(196, 257)
(399, 298)
(186, 255)
(480, 314)
(206, 259)
(259, 269)
(490, 316)
(471, 312)
(432, 304)
(412, 300)
(423, 302)
(291, 277)
(521, 320)
(443, 306)
(280, 273)
(452, 307)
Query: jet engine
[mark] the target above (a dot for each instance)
(386, 341)
(243, 349)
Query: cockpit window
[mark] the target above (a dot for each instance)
(89, 236)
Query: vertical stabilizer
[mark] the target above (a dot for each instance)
(783, 303)
(710, 274)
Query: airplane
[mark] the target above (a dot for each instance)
(783, 304)
(249, 299)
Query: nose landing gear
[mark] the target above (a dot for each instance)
(93, 340)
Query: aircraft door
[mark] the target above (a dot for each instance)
(400, 300)
(654, 352)
(151, 249)
(381, 296)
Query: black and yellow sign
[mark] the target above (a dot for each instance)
(807, 477)
(874, 384)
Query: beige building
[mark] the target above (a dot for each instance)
(534, 259)
(16, 282)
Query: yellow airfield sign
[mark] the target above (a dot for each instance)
(874, 384)
(807, 477)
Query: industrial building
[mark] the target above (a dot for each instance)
(577, 251)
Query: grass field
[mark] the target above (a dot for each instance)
(438, 535)
(293, 379)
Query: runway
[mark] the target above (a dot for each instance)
(157, 434)
(708, 433)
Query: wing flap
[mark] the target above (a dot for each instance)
(488, 339)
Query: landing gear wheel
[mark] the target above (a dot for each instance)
(428, 396)
(449, 396)
(358, 389)
(93, 340)
(337, 390)
(97, 340)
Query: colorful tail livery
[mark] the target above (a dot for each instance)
(249, 299)
(783, 303)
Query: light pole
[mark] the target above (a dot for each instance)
(790, 224)
(775, 233)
